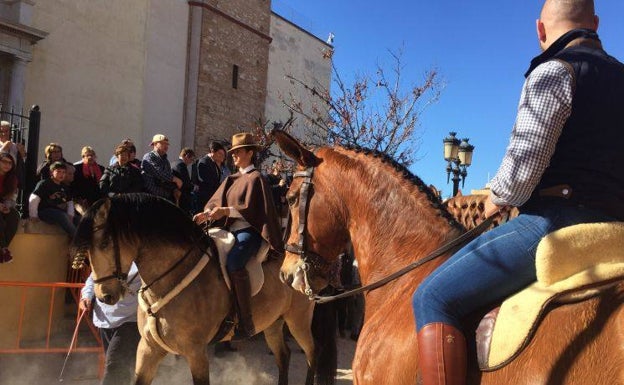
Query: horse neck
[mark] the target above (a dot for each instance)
(391, 222)
(153, 262)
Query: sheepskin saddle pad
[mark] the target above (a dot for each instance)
(573, 263)
(224, 241)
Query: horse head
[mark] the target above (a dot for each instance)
(109, 267)
(318, 233)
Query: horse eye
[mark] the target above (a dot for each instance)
(291, 199)
(104, 244)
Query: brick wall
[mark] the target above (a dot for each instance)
(234, 32)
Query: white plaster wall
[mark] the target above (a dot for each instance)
(93, 75)
(294, 52)
(165, 72)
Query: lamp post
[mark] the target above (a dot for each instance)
(458, 154)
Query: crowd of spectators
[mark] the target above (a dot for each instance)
(65, 190)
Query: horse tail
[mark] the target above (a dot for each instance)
(324, 334)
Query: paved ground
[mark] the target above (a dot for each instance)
(251, 365)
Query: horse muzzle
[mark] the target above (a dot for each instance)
(108, 295)
(294, 277)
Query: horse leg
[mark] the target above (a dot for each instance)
(303, 335)
(197, 358)
(274, 336)
(148, 359)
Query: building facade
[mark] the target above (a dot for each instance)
(193, 70)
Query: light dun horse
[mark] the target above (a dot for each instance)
(166, 245)
(393, 219)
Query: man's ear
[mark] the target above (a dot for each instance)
(541, 31)
(596, 22)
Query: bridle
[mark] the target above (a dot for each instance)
(118, 274)
(310, 259)
(313, 260)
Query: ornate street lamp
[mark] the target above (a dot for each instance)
(458, 154)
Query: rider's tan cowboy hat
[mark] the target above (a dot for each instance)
(244, 139)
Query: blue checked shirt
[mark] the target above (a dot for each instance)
(545, 106)
(157, 174)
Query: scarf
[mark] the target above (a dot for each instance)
(92, 171)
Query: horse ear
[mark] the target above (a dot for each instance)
(293, 149)
(102, 214)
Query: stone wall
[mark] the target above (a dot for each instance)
(234, 33)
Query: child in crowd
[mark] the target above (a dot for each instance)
(51, 200)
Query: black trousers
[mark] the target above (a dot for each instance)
(120, 346)
(8, 226)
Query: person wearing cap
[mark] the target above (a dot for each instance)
(158, 178)
(51, 200)
(243, 204)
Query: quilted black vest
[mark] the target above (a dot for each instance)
(591, 144)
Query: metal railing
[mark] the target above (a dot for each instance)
(25, 131)
(45, 345)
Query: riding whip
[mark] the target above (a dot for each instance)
(71, 344)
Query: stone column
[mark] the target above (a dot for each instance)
(17, 85)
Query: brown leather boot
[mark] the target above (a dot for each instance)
(242, 294)
(442, 355)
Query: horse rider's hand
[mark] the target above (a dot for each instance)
(200, 218)
(491, 208)
(219, 212)
(85, 304)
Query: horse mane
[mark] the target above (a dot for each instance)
(144, 217)
(405, 174)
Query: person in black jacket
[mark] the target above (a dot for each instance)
(207, 173)
(181, 169)
(123, 176)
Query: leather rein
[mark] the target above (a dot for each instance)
(313, 260)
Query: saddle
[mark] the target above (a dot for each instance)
(224, 241)
(573, 264)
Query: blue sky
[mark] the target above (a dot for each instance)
(481, 49)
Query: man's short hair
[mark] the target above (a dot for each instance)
(187, 151)
(4, 123)
(58, 165)
(215, 146)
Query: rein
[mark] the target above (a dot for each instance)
(313, 260)
(456, 242)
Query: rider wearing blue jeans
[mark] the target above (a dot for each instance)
(558, 169)
(243, 203)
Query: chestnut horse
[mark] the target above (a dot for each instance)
(166, 245)
(393, 219)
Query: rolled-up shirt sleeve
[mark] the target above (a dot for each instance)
(545, 106)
